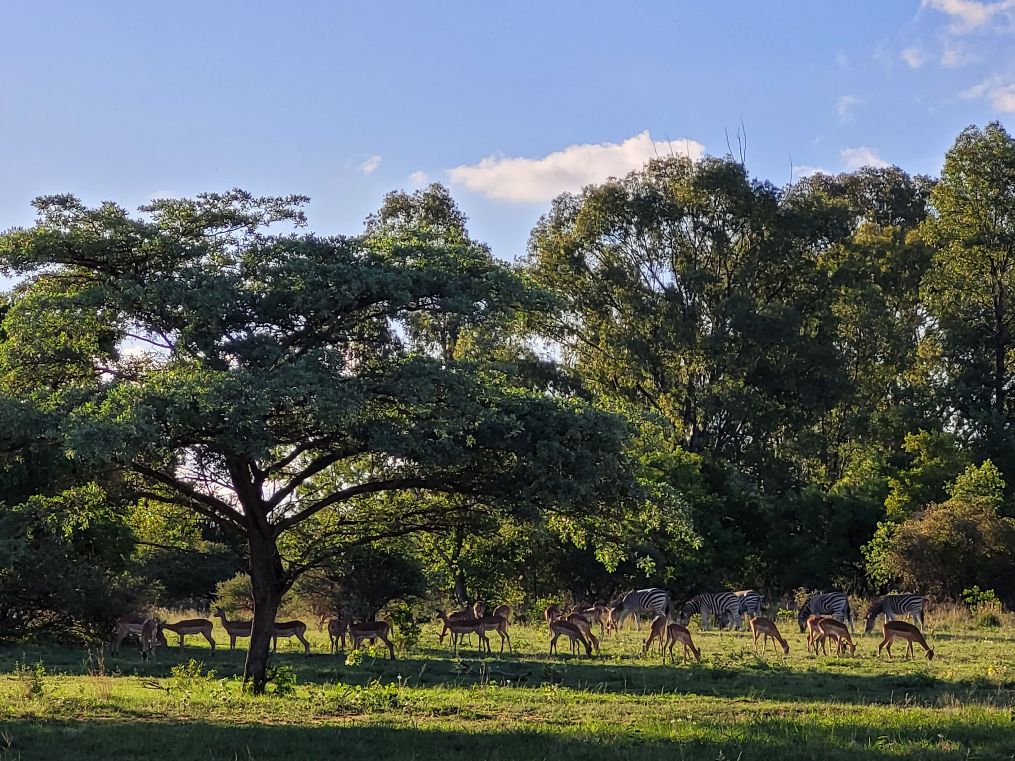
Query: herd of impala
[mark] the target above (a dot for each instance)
(576, 625)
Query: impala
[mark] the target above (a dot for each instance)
(559, 626)
(830, 628)
(676, 633)
(234, 628)
(337, 628)
(465, 614)
(894, 630)
(131, 624)
(597, 614)
(585, 624)
(371, 630)
(465, 626)
(761, 626)
(150, 637)
(503, 610)
(656, 630)
(288, 629)
(498, 624)
(551, 612)
(192, 626)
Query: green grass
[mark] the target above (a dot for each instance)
(522, 706)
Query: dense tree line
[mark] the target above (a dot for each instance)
(694, 379)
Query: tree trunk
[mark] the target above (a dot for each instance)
(267, 583)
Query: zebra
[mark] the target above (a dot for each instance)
(720, 604)
(896, 606)
(835, 604)
(750, 603)
(653, 600)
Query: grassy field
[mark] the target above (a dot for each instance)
(618, 705)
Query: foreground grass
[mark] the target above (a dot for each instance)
(521, 706)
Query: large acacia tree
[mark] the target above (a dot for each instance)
(269, 381)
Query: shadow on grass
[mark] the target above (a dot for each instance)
(786, 739)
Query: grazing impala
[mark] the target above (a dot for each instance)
(192, 626)
(894, 630)
(234, 628)
(766, 627)
(585, 624)
(830, 628)
(656, 630)
(503, 610)
(551, 612)
(371, 630)
(132, 624)
(676, 633)
(149, 638)
(559, 626)
(812, 631)
(465, 626)
(288, 629)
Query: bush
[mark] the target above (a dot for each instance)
(64, 567)
(952, 546)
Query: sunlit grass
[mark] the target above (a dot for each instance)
(522, 705)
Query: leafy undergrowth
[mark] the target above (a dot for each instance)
(524, 705)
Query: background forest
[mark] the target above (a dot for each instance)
(694, 380)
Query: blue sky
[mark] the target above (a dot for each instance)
(508, 103)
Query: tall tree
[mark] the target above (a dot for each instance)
(267, 382)
(698, 293)
(970, 289)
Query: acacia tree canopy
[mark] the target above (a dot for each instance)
(268, 381)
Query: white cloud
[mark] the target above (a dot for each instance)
(1000, 93)
(370, 165)
(846, 105)
(971, 14)
(953, 56)
(527, 180)
(1003, 99)
(861, 156)
(806, 170)
(913, 57)
(419, 178)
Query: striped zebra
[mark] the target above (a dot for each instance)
(750, 603)
(722, 605)
(653, 601)
(834, 604)
(896, 606)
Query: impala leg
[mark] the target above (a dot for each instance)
(211, 641)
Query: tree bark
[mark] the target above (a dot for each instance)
(267, 582)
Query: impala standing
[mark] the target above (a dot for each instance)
(371, 630)
(464, 626)
(234, 628)
(127, 625)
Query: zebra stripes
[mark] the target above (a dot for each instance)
(896, 606)
(654, 601)
(834, 604)
(722, 605)
(750, 602)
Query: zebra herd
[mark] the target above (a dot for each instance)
(730, 608)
